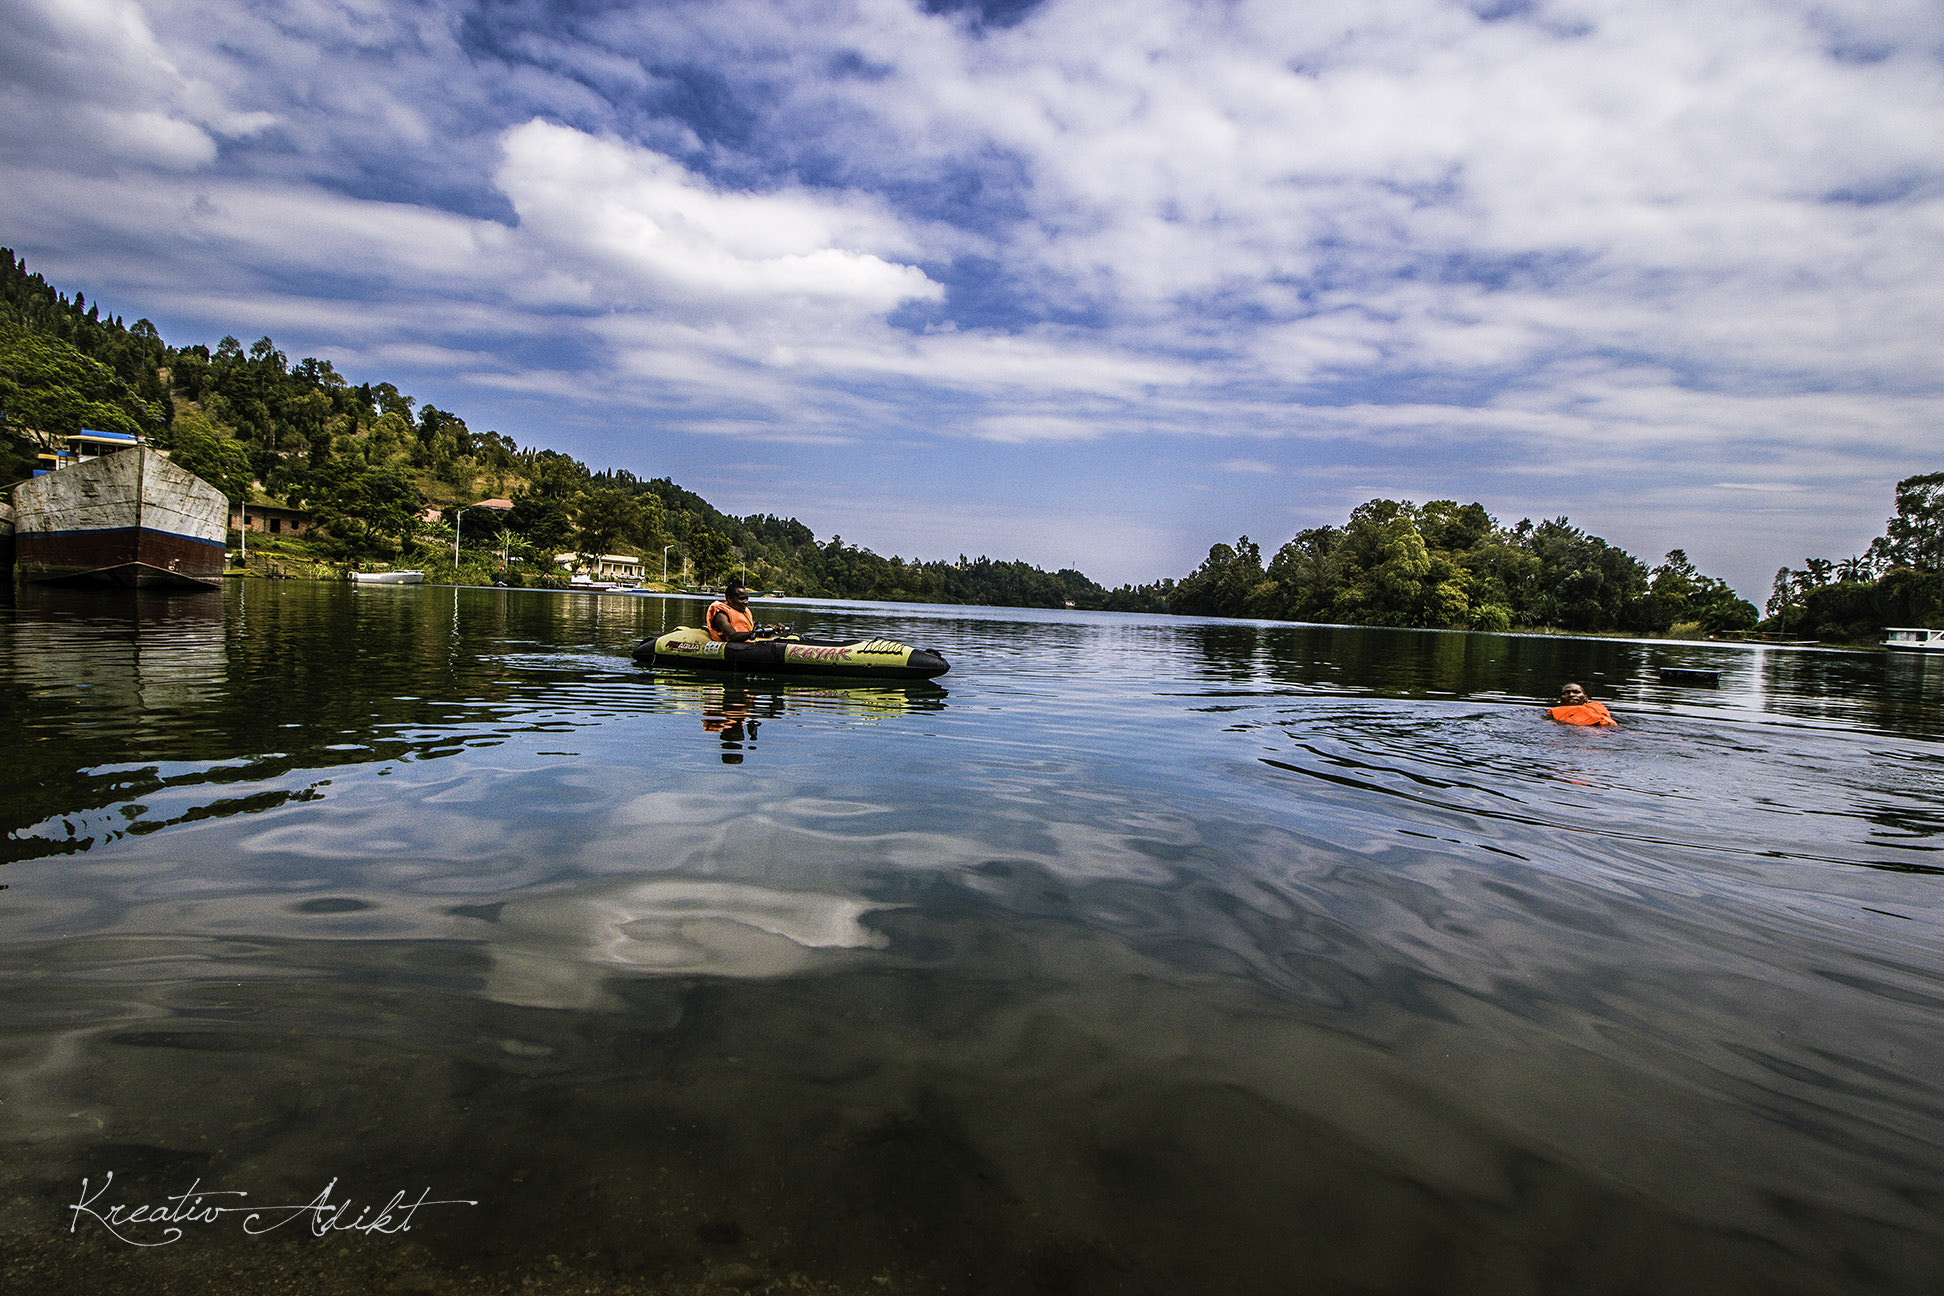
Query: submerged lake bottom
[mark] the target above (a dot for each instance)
(413, 939)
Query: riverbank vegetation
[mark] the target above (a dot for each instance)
(381, 479)
(1443, 564)
(1897, 581)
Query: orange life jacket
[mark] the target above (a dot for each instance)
(1587, 713)
(742, 621)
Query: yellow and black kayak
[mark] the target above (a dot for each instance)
(692, 648)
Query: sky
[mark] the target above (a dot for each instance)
(1091, 283)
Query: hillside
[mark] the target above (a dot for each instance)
(366, 461)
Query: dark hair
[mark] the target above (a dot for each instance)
(733, 586)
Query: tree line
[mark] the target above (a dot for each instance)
(366, 461)
(1897, 581)
(1450, 565)
(1446, 565)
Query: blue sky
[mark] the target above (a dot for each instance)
(1095, 285)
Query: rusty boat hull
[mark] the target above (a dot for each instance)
(128, 518)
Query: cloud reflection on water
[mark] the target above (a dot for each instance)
(1156, 956)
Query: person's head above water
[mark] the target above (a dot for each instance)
(736, 592)
(1575, 708)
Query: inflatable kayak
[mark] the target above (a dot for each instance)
(790, 655)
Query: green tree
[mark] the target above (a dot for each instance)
(1391, 577)
(366, 504)
(1784, 601)
(604, 517)
(1305, 576)
(50, 391)
(1719, 609)
(1583, 582)
(1226, 583)
(1452, 527)
(1915, 535)
(555, 475)
(713, 557)
(545, 521)
(1670, 589)
(209, 451)
(1501, 578)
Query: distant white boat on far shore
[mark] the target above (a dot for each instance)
(1917, 637)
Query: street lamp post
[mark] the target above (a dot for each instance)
(665, 549)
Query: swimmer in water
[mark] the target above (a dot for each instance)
(1575, 708)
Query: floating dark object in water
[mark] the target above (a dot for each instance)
(1690, 677)
(875, 658)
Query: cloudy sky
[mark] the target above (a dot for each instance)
(1094, 283)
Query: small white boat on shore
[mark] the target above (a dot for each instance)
(388, 578)
(1918, 638)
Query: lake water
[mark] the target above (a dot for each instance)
(1140, 954)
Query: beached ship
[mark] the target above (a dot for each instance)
(127, 518)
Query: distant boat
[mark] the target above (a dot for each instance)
(128, 518)
(388, 578)
(1914, 637)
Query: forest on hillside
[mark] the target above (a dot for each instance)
(366, 462)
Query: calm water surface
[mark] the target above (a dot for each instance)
(1144, 955)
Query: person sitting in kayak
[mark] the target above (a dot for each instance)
(1575, 708)
(730, 620)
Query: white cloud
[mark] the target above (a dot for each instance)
(226, 228)
(1018, 429)
(641, 214)
(87, 82)
(1692, 246)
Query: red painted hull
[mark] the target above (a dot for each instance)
(123, 556)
